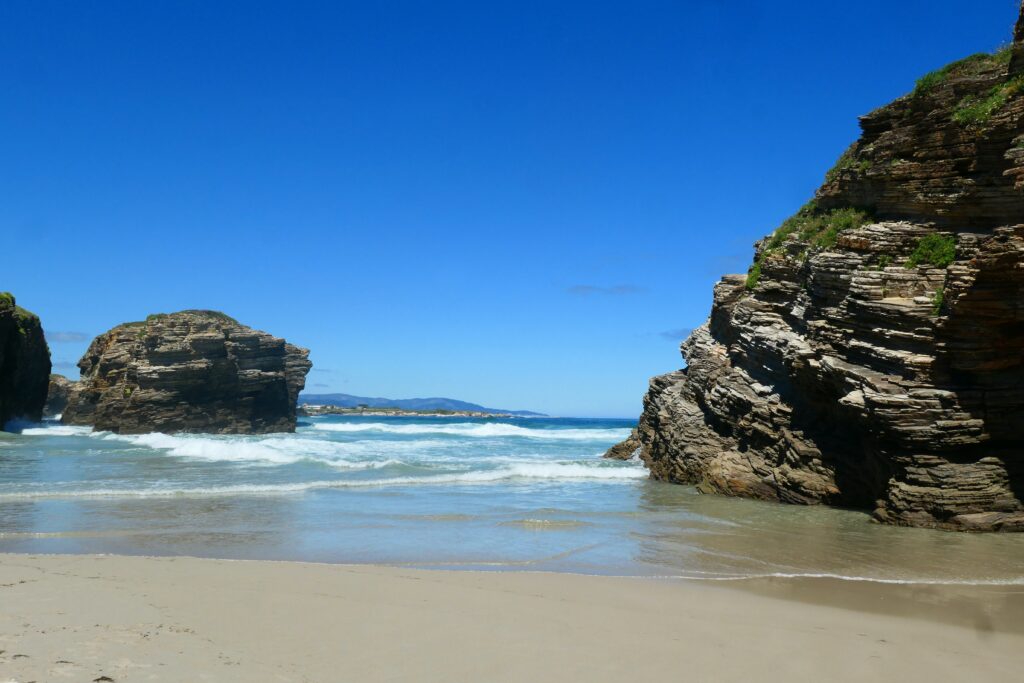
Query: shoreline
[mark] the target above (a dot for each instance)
(314, 410)
(134, 618)
(470, 567)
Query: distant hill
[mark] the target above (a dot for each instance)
(350, 401)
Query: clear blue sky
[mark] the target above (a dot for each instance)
(522, 204)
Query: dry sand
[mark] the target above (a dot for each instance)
(83, 618)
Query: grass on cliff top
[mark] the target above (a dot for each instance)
(8, 303)
(974, 110)
(25, 315)
(967, 66)
(816, 228)
(192, 311)
(936, 250)
(848, 160)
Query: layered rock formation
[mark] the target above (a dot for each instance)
(24, 363)
(627, 449)
(57, 394)
(1017, 61)
(192, 371)
(873, 356)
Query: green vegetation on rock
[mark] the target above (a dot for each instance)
(818, 229)
(975, 111)
(938, 300)
(936, 250)
(154, 317)
(848, 160)
(212, 314)
(823, 230)
(884, 261)
(754, 274)
(24, 315)
(964, 67)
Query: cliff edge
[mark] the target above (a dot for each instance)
(873, 356)
(24, 363)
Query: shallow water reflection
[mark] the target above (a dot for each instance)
(514, 494)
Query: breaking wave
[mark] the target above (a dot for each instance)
(282, 450)
(56, 430)
(556, 472)
(486, 430)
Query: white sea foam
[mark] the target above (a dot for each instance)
(523, 472)
(274, 450)
(468, 429)
(46, 429)
(1013, 581)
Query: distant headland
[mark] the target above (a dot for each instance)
(347, 404)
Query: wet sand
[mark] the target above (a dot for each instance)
(88, 618)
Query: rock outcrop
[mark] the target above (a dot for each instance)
(627, 449)
(192, 371)
(1017, 61)
(873, 357)
(24, 363)
(57, 395)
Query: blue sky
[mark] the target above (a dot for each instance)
(522, 204)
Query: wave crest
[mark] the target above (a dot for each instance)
(555, 472)
(469, 429)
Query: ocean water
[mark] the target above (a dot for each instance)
(500, 494)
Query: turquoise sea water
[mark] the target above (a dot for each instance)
(519, 494)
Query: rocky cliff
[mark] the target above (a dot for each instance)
(24, 362)
(192, 371)
(57, 394)
(873, 356)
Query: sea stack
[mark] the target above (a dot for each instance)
(24, 363)
(873, 356)
(191, 371)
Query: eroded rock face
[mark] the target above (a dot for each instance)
(57, 394)
(24, 363)
(192, 371)
(627, 449)
(876, 363)
(1017, 63)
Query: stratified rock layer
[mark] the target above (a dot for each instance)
(24, 363)
(192, 371)
(861, 367)
(57, 395)
(627, 449)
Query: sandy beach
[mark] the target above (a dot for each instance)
(103, 618)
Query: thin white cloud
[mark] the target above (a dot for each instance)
(676, 335)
